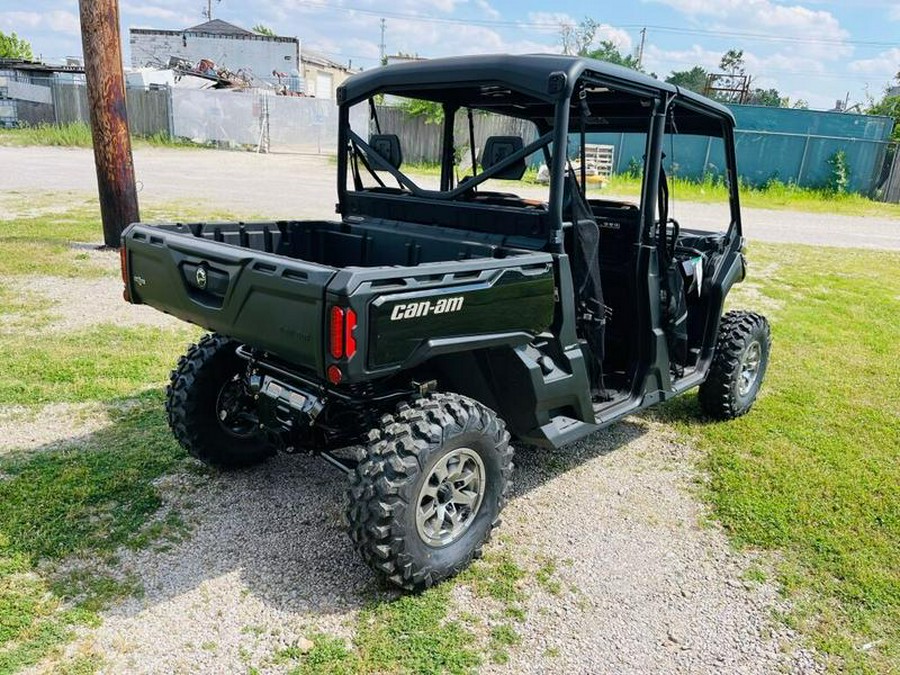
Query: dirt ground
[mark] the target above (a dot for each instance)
(303, 186)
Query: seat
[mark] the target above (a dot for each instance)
(498, 148)
(388, 148)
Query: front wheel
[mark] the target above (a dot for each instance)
(738, 367)
(425, 499)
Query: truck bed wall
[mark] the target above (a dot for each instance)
(356, 243)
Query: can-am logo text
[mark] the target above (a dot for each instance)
(416, 309)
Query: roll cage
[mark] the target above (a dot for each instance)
(561, 95)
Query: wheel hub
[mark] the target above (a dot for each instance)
(749, 368)
(450, 497)
(234, 412)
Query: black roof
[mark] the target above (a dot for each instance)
(219, 27)
(473, 80)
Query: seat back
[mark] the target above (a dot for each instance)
(498, 148)
(388, 147)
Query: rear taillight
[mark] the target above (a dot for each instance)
(336, 342)
(123, 265)
(342, 329)
(349, 334)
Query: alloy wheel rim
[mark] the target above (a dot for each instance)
(749, 368)
(450, 497)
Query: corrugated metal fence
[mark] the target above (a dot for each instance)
(783, 144)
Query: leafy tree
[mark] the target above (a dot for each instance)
(264, 30)
(14, 47)
(767, 97)
(890, 107)
(580, 40)
(432, 111)
(732, 62)
(608, 51)
(693, 79)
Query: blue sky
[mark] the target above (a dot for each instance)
(816, 50)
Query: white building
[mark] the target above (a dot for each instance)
(225, 44)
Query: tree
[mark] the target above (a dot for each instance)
(888, 106)
(14, 47)
(580, 40)
(264, 30)
(732, 62)
(693, 79)
(577, 40)
(608, 51)
(768, 97)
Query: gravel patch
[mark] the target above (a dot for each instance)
(48, 426)
(267, 564)
(82, 303)
(647, 585)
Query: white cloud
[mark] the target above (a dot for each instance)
(662, 61)
(57, 21)
(885, 65)
(172, 18)
(19, 20)
(552, 23)
(487, 9)
(772, 18)
(894, 13)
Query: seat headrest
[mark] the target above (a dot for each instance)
(388, 147)
(498, 148)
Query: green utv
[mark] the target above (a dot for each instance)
(429, 324)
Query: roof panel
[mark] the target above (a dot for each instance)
(526, 73)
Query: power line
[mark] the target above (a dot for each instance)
(554, 26)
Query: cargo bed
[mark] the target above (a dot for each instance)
(269, 285)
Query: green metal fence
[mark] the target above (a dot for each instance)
(791, 146)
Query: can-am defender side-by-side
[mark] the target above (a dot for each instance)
(431, 323)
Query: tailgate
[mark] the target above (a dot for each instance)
(268, 301)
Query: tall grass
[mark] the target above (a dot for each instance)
(77, 135)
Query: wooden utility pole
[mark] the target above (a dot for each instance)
(109, 121)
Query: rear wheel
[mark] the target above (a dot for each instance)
(208, 410)
(738, 367)
(425, 499)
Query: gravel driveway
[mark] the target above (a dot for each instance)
(303, 186)
(648, 585)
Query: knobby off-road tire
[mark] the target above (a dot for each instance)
(400, 479)
(201, 386)
(738, 367)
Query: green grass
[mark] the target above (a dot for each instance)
(772, 195)
(78, 135)
(82, 501)
(416, 634)
(813, 471)
(78, 501)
